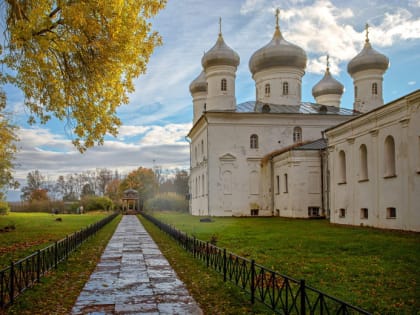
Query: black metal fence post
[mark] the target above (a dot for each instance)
(56, 255)
(252, 283)
(12, 282)
(38, 266)
(302, 298)
(207, 254)
(194, 249)
(224, 265)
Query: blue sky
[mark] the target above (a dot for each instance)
(159, 114)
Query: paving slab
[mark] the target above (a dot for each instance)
(133, 277)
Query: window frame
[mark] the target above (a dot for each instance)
(223, 85)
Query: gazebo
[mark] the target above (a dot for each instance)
(130, 200)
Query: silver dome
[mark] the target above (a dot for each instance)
(367, 59)
(199, 84)
(277, 53)
(220, 55)
(327, 85)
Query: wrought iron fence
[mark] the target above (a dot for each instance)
(26, 272)
(281, 293)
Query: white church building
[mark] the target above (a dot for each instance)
(280, 156)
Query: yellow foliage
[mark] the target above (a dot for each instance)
(77, 60)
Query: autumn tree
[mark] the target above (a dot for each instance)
(8, 140)
(76, 60)
(35, 188)
(103, 178)
(143, 180)
(181, 182)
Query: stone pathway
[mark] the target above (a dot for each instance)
(133, 277)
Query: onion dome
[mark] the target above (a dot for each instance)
(277, 53)
(199, 84)
(327, 85)
(368, 58)
(220, 54)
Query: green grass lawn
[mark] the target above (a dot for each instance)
(375, 269)
(34, 231)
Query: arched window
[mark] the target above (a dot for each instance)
(253, 141)
(267, 89)
(389, 157)
(374, 88)
(223, 85)
(363, 167)
(341, 167)
(297, 134)
(285, 88)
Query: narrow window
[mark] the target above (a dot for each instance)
(391, 213)
(363, 167)
(297, 134)
(355, 92)
(285, 88)
(224, 85)
(389, 157)
(254, 141)
(277, 184)
(202, 190)
(342, 213)
(286, 184)
(341, 167)
(374, 88)
(267, 90)
(202, 147)
(196, 154)
(364, 213)
(196, 187)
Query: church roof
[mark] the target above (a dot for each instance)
(303, 108)
(314, 145)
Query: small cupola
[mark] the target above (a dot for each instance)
(328, 91)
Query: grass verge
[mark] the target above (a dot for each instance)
(28, 232)
(57, 292)
(370, 268)
(205, 285)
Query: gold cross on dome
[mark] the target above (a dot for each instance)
(367, 32)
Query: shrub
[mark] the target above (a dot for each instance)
(91, 203)
(167, 201)
(47, 206)
(4, 207)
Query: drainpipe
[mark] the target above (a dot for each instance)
(272, 184)
(208, 165)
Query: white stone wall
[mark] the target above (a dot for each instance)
(303, 187)
(378, 192)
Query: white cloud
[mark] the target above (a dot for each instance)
(129, 131)
(412, 83)
(169, 134)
